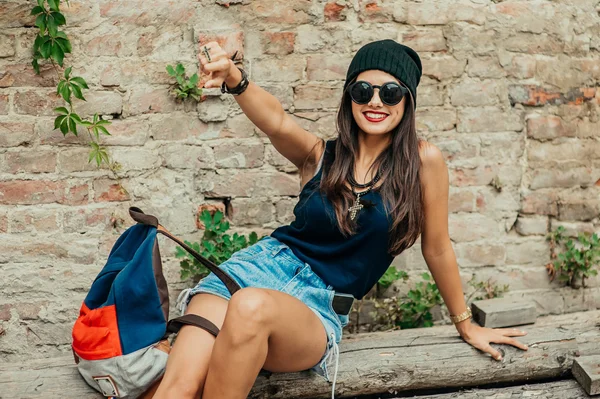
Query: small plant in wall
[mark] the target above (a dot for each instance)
(412, 311)
(215, 245)
(184, 87)
(578, 260)
(52, 44)
(485, 290)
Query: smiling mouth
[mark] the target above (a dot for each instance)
(379, 117)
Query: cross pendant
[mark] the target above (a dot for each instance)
(355, 208)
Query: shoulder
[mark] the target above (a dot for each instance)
(431, 156)
(434, 171)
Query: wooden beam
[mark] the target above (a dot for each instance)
(372, 363)
(561, 389)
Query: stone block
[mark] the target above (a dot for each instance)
(586, 370)
(503, 312)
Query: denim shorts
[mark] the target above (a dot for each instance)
(269, 263)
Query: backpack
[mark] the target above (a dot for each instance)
(120, 339)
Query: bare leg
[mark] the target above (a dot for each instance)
(188, 361)
(267, 329)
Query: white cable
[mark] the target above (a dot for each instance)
(182, 300)
(336, 353)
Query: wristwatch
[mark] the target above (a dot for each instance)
(240, 88)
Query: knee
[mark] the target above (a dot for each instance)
(177, 387)
(250, 311)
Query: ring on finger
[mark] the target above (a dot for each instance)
(206, 53)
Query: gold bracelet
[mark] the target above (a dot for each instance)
(463, 316)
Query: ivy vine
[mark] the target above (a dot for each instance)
(52, 44)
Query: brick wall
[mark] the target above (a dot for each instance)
(510, 93)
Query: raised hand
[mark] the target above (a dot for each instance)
(219, 65)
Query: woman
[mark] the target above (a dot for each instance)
(365, 198)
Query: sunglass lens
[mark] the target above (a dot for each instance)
(361, 92)
(391, 93)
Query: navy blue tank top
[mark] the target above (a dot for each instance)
(350, 264)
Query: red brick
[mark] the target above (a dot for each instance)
(540, 202)
(425, 40)
(14, 134)
(79, 13)
(7, 45)
(164, 40)
(548, 127)
(376, 11)
(28, 192)
(30, 162)
(536, 95)
(31, 310)
(478, 176)
(579, 210)
(19, 75)
(279, 43)
(278, 12)
(108, 190)
(4, 104)
(230, 42)
(16, 15)
(250, 183)
(316, 96)
(150, 101)
(37, 103)
(180, 126)
(76, 160)
(5, 311)
(83, 220)
(109, 45)
(334, 12)
(3, 222)
(555, 177)
(460, 200)
(33, 220)
(231, 155)
(147, 12)
(327, 66)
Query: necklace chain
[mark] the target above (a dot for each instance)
(354, 209)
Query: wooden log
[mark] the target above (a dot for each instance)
(503, 312)
(586, 370)
(561, 389)
(374, 363)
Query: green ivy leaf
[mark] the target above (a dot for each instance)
(57, 54)
(53, 4)
(77, 92)
(79, 81)
(59, 18)
(40, 22)
(36, 10)
(52, 25)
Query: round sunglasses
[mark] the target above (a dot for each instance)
(391, 93)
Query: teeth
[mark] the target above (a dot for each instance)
(375, 116)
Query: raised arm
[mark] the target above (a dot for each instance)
(264, 110)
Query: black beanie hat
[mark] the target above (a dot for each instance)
(389, 56)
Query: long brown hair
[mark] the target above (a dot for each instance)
(401, 189)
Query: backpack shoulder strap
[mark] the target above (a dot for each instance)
(139, 216)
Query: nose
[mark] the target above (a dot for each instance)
(375, 100)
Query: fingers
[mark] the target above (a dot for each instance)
(221, 64)
(510, 341)
(495, 354)
(510, 332)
